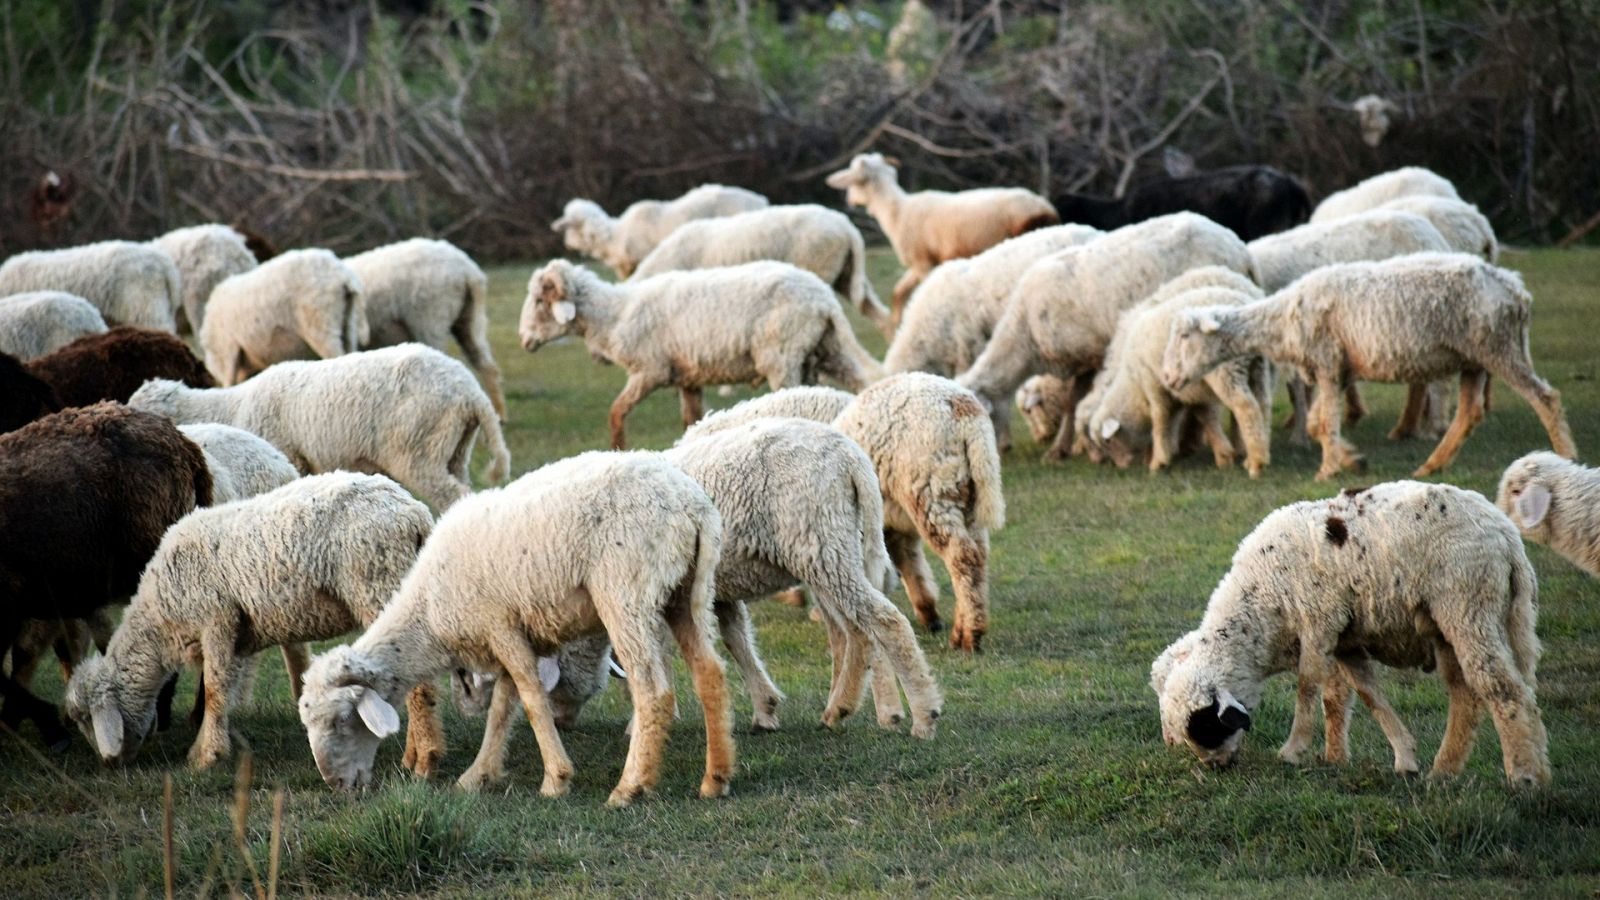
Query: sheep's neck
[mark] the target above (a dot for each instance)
(142, 655)
(210, 404)
(1266, 328)
(886, 203)
(599, 309)
(1252, 647)
(402, 646)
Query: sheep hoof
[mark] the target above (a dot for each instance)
(833, 718)
(473, 781)
(200, 760)
(556, 784)
(764, 725)
(970, 641)
(923, 731)
(934, 624)
(714, 785)
(624, 796)
(1292, 754)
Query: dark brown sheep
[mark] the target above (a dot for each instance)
(85, 497)
(23, 397)
(111, 366)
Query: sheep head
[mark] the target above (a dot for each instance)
(1526, 492)
(1041, 400)
(1199, 711)
(549, 311)
(585, 227)
(159, 396)
(868, 173)
(346, 714)
(96, 702)
(1197, 343)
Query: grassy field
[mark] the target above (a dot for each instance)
(1048, 774)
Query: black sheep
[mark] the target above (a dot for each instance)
(23, 396)
(1251, 200)
(112, 365)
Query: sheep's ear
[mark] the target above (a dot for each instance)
(1232, 713)
(380, 718)
(1108, 428)
(1208, 324)
(616, 668)
(893, 161)
(564, 311)
(560, 224)
(549, 672)
(1029, 402)
(841, 179)
(1533, 504)
(107, 729)
(552, 286)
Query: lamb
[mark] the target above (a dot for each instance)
(937, 465)
(24, 396)
(1463, 227)
(1380, 189)
(930, 227)
(408, 412)
(820, 240)
(37, 322)
(428, 291)
(624, 241)
(1404, 573)
(1412, 319)
(129, 283)
(1064, 310)
(304, 304)
(308, 561)
(85, 496)
(765, 320)
(1557, 503)
(1251, 201)
(111, 366)
(205, 256)
(620, 542)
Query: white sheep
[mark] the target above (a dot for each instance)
(130, 283)
(1405, 573)
(303, 304)
(759, 321)
(35, 323)
(624, 241)
(242, 465)
(931, 227)
(1380, 189)
(800, 503)
(309, 561)
(1064, 310)
(620, 542)
(934, 452)
(1042, 399)
(409, 412)
(819, 240)
(1555, 502)
(205, 255)
(1464, 228)
(429, 291)
(1413, 319)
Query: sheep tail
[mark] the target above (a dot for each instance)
(204, 487)
(983, 462)
(843, 357)
(1522, 614)
(489, 421)
(703, 590)
(858, 287)
(869, 509)
(174, 282)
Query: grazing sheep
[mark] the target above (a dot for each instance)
(111, 366)
(931, 227)
(408, 412)
(820, 240)
(309, 561)
(205, 256)
(85, 496)
(1557, 503)
(624, 543)
(623, 242)
(1377, 234)
(1404, 573)
(1064, 310)
(37, 322)
(24, 396)
(768, 321)
(429, 291)
(939, 471)
(242, 465)
(1380, 189)
(800, 503)
(129, 283)
(1412, 319)
(1042, 399)
(1250, 201)
(1464, 228)
(303, 304)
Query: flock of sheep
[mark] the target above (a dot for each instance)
(227, 500)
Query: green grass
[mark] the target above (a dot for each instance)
(1048, 774)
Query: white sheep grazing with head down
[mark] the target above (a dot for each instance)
(206, 255)
(409, 412)
(934, 452)
(930, 227)
(759, 321)
(1413, 319)
(1464, 228)
(36, 323)
(617, 542)
(242, 464)
(624, 241)
(1064, 310)
(129, 283)
(819, 240)
(303, 304)
(429, 291)
(1041, 400)
(309, 561)
(1403, 573)
(1380, 189)
(1555, 502)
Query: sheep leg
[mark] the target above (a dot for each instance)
(638, 387)
(471, 334)
(641, 654)
(1336, 452)
(1299, 403)
(1216, 438)
(490, 764)
(1545, 400)
(902, 293)
(1436, 412)
(906, 551)
(1305, 717)
(1355, 408)
(885, 691)
(692, 628)
(1254, 428)
(1416, 404)
(1337, 699)
(869, 615)
(733, 620)
(1077, 387)
(1163, 440)
(20, 703)
(850, 673)
(295, 660)
(966, 557)
(691, 402)
(217, 662)
(1461, 724)
(1360, 674)
(424, 735)
(511, 649)
(1469, 412)
(1490, 675)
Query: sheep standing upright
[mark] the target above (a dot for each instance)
(37, 322)
(766, 320)
(206, 255)
(429, 291)
(304, 304)
(1380, 189)
(1387, 573)
(1413, 319)
(1464, 228)
(1555, 502)
(131, 284)
(624, 241)
(930, 227)
(623, 543)
(111, 366)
